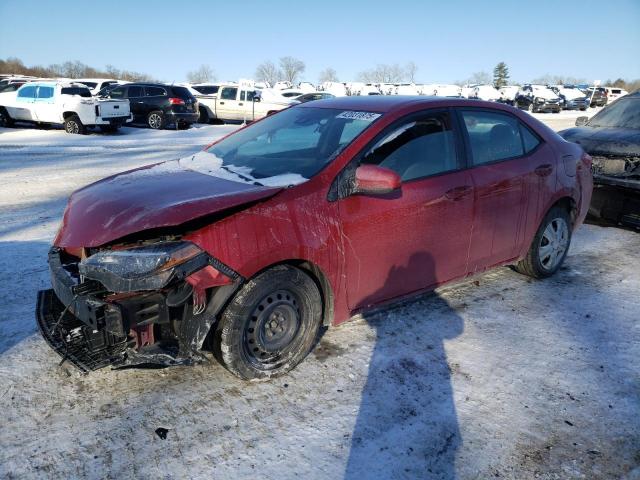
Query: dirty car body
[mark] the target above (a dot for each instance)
(612, 138)
(298, 221)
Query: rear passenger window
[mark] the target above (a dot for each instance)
(45, 92)
(417, 149)
(154, 91)
(229, 93)
(134, 92)
(492, 136)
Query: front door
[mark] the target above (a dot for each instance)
(139, 106)
(416, 237)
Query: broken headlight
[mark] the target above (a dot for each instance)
(143, 268)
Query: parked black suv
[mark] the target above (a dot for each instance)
(597, 98)
(156, 104)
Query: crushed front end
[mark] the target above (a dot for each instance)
(150, 303)
(616, 195)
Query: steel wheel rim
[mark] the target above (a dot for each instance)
(154, 120)
(553, 243)
(273, 330)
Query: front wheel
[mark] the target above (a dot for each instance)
(271, 324)
(155, 120)
(549, 247)
(73, 124)
(531, 108)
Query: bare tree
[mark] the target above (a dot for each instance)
(480, 77)
(203, 74)
(268, 72)
(328, 75)
(291, 68)
(383, 73)
(410, 70)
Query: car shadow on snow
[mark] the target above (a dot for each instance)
(407, 425)
(23, 271)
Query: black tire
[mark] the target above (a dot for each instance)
(204, 116)
(155, 120)
(72, 124)
(532, 264)
(270, 325)
(531, 108)
(109, 128)
(5, 119)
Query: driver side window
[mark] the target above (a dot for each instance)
(422, 147)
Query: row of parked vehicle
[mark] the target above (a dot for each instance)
(80, 104)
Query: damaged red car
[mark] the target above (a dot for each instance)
(301, 220)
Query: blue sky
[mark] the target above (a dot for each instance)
(448, 40)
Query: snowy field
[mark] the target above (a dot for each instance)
(498, 377)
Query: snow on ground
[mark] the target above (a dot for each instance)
(500, 376)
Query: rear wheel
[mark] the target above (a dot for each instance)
(204, 116)
(549, 247)
(5, 119)
(155, 120)
(531, 108)
(270, 325)
(72, 124)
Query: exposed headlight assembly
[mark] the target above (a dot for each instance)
(148, 267)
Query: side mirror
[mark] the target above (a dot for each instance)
(580, 121)
(374, 180)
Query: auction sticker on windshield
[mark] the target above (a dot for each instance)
(359, 115)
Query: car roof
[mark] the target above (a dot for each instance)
(390, 103)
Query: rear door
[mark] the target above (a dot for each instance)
(139, 107)
(419, 236)
(46, 109)
(228, 107)
(506, 169)
(24, 105)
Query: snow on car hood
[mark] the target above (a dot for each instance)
(571, 93)
(545, 93)
(162, 195)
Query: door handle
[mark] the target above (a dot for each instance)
(544, 170)
(240, 104)
(457, 193)
(221, 103)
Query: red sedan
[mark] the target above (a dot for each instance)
(304, 219)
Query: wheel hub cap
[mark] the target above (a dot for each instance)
(554, 243)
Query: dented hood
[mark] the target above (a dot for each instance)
(605, 140)
(156, 196)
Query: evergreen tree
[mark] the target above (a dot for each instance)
(500, 75)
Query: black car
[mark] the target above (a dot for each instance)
(612, 138)
(309, 97)
(528, 99)
(157, 105)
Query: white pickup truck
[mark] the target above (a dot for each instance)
(62, 103)
(235, 103)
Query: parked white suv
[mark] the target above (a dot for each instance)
(97, 84)
(70, 104)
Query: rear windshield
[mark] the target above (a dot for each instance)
(182, 93)
(207, 90)
(12, 87)
(83, 92)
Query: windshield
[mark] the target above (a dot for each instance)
(288, 147)
(623, 113)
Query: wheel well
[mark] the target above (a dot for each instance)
(569, 204)
(66, 115)
(321, 281)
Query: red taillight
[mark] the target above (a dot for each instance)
(176, 101)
